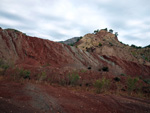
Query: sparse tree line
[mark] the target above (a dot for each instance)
(110, 30)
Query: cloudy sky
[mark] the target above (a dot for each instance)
(63, 19)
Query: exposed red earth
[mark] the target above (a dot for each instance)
(55, 60)
(19, 49)
(22, 97)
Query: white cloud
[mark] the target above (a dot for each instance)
(9, 22)
(62, 19)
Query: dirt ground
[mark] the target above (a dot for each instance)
(32, 97)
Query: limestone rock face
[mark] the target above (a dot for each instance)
(106, 43)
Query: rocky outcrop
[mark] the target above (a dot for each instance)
(106, 43)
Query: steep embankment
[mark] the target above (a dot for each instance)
(21, 50)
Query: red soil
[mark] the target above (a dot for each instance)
(30, 97)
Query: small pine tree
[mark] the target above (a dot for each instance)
(105, 29)
(110, 30)
(96, 31)
(116, 34)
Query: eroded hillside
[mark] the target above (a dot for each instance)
(93, 51)
(97, 74)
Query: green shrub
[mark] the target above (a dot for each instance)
(83, 71)
(98, 85)
(24, 74)
(147, 59)
(4, 66)
(100, 44)
(147, 81)
(121, 42)
(137, 47)
(147, 46)
(96, 31)
(140, 77)
(116, 34)
(111, 31)
(133, 53)
(89, 67)
(105, 29)
(117, 79)
(42, 76)
(122, 74)
(79, 38)
(46, 65)
(110, 44)
(71, 44)
(105, 69)
(101, 85)
(134, 46)
(1, 71)
(16, 30)
(131, 84)
(73, 78)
